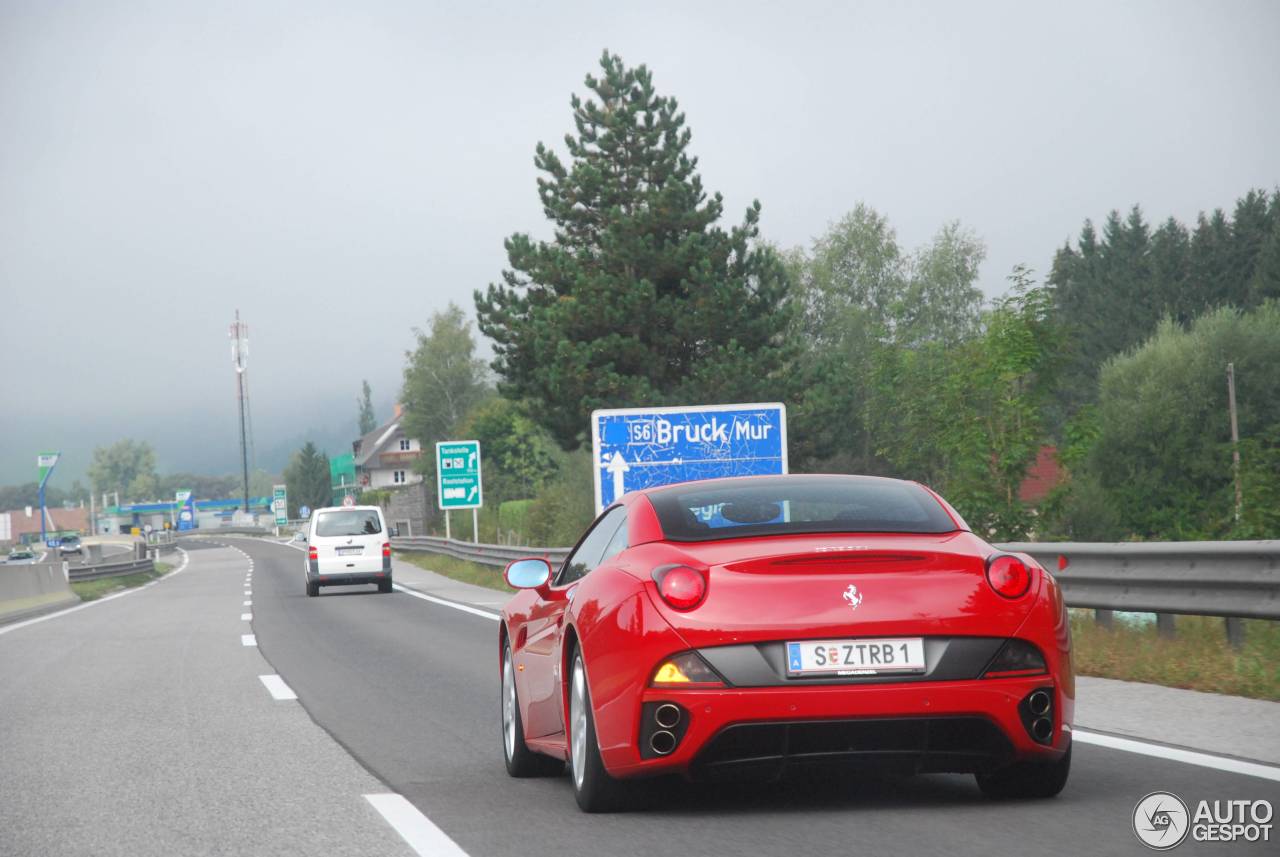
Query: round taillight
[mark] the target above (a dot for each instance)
(680, 586)
(1008, 575)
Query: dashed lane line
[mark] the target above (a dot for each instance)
(414, 827)
(278, 689)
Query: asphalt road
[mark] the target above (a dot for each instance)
(138, 725)
(410, 689)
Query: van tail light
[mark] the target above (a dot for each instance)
(311, 553)
(386, 548)
(680, 586)
(1008, 575)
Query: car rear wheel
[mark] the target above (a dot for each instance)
(1024, 780)
(313, 588)
(521, 761)
(384, 585)
(595, 790)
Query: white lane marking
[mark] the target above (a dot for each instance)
(248, 592)
(248, 640)
(1177, 754)
(246, 617)
(465, 608)
(16, 625)
(416, 829)
(248, 602)
(279, 690)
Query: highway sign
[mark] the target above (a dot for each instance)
(280, 504)
(348, 501)
(635, 448)
(181, 497)
(458, 484)
(304, 512)
(45, 462)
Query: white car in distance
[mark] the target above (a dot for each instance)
(347, 545)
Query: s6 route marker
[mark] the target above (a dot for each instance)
(637, 448)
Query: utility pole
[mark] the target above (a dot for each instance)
(240, 358)
(1235, 434)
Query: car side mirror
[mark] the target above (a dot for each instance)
(530, 573)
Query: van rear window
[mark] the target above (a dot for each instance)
(356, 522)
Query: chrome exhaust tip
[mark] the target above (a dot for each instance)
(662, 742)
(1042, 729)
(667, 715)
(1039, 703)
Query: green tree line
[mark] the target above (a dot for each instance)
(889, 358)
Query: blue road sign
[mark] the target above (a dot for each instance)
(304, 512)
(635, 448)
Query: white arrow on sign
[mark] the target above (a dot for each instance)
(475, 489)
(618, 466)
(471, 461)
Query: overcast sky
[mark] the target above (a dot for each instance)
(337, 171)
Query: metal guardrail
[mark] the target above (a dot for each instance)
(1229, 579)
(224, 531)
(494, 555)
(77, 573)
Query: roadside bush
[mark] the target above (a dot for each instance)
(564, 507)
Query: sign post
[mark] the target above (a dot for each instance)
(45, 462)
(458, 483)
(635, 448)
(179, 500)
(280, 505)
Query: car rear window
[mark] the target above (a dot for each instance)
(356, 522)
(728, 509)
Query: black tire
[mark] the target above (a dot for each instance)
(594, 789)
(521, 761)
(1027, 780)
(313, 588)
(384, 585)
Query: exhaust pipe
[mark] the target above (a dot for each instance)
(662, 742)
(1042, 729)
(1039, 703)
(667, 716)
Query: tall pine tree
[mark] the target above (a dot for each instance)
(640, 298)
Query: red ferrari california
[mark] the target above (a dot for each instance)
(746, 627)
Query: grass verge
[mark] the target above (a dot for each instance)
(92, 590)
(487, 576)
(1197, 658)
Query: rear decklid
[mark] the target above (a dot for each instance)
(838, 586)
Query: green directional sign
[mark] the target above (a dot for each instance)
(458, 474)
(280, 504)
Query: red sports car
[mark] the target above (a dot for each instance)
(745, 627)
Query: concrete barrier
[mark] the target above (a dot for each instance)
(27, 590)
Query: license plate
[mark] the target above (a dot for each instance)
(856, 657)
(349, 551)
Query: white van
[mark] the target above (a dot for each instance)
(346, 545)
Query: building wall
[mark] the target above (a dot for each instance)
(384, 477)
(410, 504)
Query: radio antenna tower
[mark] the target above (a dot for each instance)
(240, 358)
